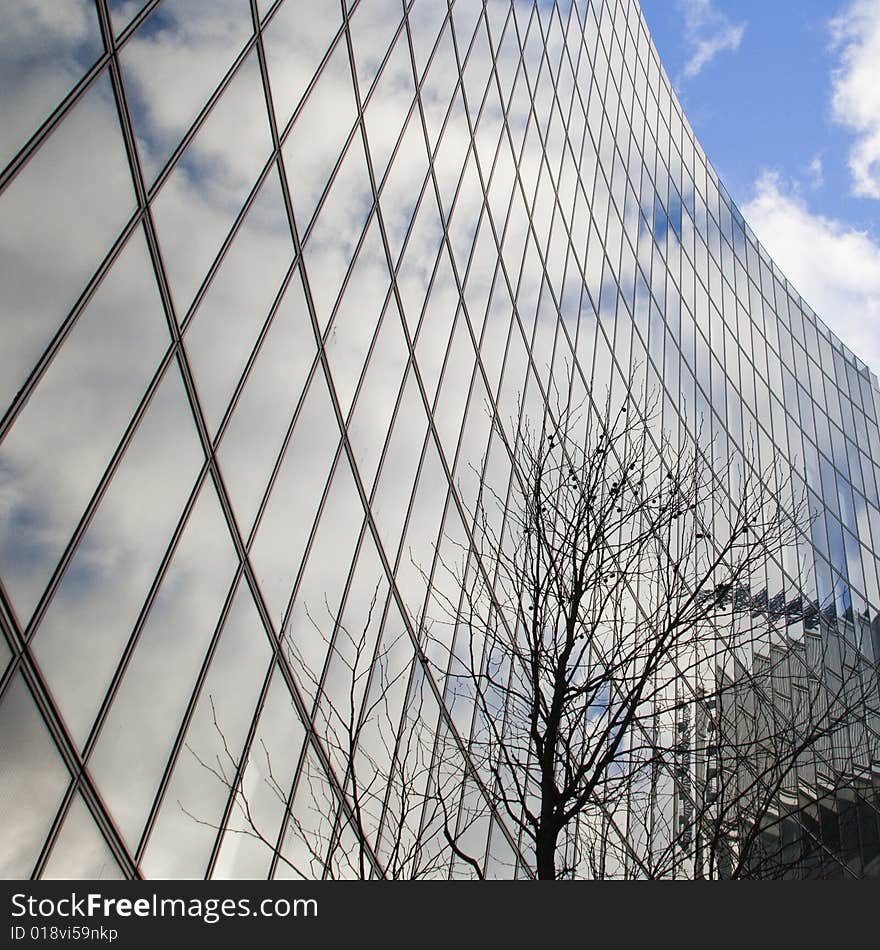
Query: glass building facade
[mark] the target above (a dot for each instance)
(270, 269)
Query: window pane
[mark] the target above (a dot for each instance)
(94, 609)
(207, 189)
(253, 438)
(61, 443)
(58, 219)
(225, 328)
(44, 49)
(192, 809)
(80, 852)
(173, 64)
(142, 724)
(30, 793)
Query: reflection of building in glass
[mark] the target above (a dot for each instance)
(264, 269)
(771, 800)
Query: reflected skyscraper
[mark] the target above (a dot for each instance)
(270, 270)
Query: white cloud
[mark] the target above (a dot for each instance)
(816, 172)
(833, 266)
(707, 32)
(856, 92)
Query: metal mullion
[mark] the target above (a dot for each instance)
(328, 658)
(73, 96)
(428, 407)
(313, 371)
(143, 212)
(478, 367)
(311, 737)
(513, 296)
(383, 555)
(364, 103)
(531, 231)
(445, 218)
(103, 712)
(344, 443)
(450, 493)
(301, 570)
(231, 526)
(484, 212)
(136, 22)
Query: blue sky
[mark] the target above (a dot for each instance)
(785, 98)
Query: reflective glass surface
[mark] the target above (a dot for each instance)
(280, 282)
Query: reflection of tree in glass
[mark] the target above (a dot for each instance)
(400, 774)
(605, 641)
(629, 700)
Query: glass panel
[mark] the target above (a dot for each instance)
(295, 45)
(389, 103)
(80, 852)
(452, 398)
(474, 445)
(200, 201)
(287, 520)
(337, 231)
(30, 793)
(403, 185)
(316, 609)
(194, 801)
(371, 418)
(229, 319)
(255, 822)
(419, 258)
(436, 326)
(395, 485)
(58, 219)
(254, 436)
(122, 12)
(94, 609)
(372, 30)
(357, 317)
(141, 726)
(58, 448)
(438, 85)
(310, 824)
(420, 541)
(451, 153)
(173, 64)
(425, 21)
(313, 147)
(347, 675)
(44, 49)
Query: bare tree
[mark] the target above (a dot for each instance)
(612, 602)
(629, 700)
(397, 775)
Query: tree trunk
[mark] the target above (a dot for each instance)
(545, 854)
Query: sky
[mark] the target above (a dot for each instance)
(785, 99)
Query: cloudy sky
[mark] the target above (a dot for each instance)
(785, 99)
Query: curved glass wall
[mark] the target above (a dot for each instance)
(265, 265)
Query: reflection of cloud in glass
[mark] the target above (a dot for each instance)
(328, 416)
